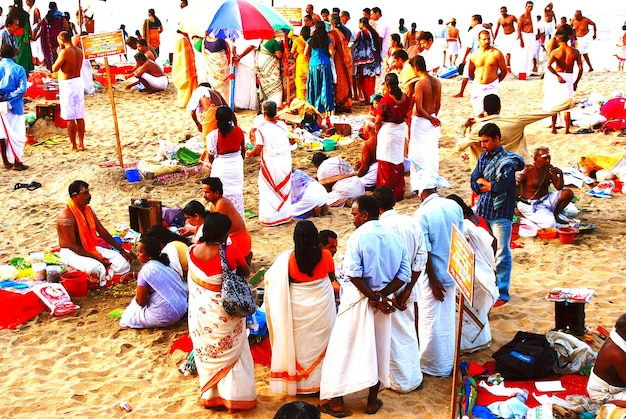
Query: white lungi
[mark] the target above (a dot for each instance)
(550, 27)
(453, 46)
(315, 195)
(72, 98)
(369, 179)
(506, 42)
(555, 93)
(601, 392)
(541, 211)
(13, 131)
(522, 58)
(582, 43)
(423, 148)
(158, 83)
(479, 91)
(119, 265)
(348, 188)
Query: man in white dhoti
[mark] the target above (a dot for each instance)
(71, 89)
(376, 265)
(273, 145)
(150, 75)
(437, 324)
(581, 24)
(607, 382)
(405, 371)
(487, 67)
(522, 53)
(339, 179)
(35, 25)
(78, 229)
(308, 196)
(559, 83)
(509, 34)
(425, 126)
(12, 90)
(86, 71)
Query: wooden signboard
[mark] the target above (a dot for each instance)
(461, 264)
(293, 15)
(103, 44)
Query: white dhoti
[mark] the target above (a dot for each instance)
(583, 43)
(86, 72)
(541, 211)
(506, 42)
(229, 168)
(359, 347)
(155, 82)
(423, 148)
(119, 265)
(315, 195)
(369, 179)
(390, 144)
(479, 91)
(554, 92)
(550, 27)
(437, 330)
(300, 316)
(344, 189)
(602, 392)
(72, 98)
(453, 46)
(522, 58)
(405, 373)
(13, 131)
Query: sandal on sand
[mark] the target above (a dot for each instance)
(20, 186)
(33, 186)
(325, 408)
(379, 404)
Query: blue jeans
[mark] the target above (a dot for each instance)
(501, 229)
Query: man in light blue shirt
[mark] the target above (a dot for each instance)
(12, 90)
(437, 325)
(376, 264)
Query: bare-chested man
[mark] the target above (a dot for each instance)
(425, 126)
(607, 382)
(71, 89)
(147, 49)
(581, 24)
(212, 189)
(78, 229)
(367, 166)
(314, 16)
(560, 85)
(527, 39)
(507, 39)
(549, 19)
(537, 203)
(454, 42)
(133, 43)
(149, 74)
(488, 68)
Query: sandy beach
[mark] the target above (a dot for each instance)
(84, 364)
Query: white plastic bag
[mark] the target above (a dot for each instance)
(572, 353)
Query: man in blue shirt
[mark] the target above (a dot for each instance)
(7, 34)
(494, 180)
(436, 321)
(376, 265)
(12, 90)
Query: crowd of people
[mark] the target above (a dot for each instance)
(362, 312)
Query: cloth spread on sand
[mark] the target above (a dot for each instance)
(497, 169)
(540, 211)
(479, 91)
(359, 346)
(221, 348)
(583, 43)
(167, 302)
(601, 391)
(476, 332)
(184, 75)
(156, 82)
(423, 148)
(299, 333)
(555, 92)
(86, 227)
(72, 98)
(274, 174)
(511, 128)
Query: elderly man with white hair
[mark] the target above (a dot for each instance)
(436, 323)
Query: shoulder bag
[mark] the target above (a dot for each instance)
(237, 298)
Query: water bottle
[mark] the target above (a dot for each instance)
(515, 407)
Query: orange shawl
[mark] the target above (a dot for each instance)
(86, 223)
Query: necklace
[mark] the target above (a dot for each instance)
(540, 183)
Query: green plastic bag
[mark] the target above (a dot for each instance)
(187, 157)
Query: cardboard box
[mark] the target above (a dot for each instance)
(342, 129)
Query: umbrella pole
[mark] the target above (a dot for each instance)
(286, 59)
(232, 77)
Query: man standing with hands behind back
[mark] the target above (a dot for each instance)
(71, 89)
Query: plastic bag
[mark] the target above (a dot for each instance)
(55, 297)
(572, 353)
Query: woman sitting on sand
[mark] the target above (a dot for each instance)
(220, 344)
(174, 246)
(300, 305)
(227, 147)
(194, 213)
(161, 296)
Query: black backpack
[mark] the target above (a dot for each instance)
(528, 356)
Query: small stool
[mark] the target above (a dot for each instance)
(570, 317)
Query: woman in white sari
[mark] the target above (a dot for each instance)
(300, 305)
(222, 354)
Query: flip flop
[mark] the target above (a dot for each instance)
(20, 186)
(379, 404)
(33, 186)
(325, 408)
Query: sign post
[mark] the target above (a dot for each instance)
(104, 45)
(461, 268)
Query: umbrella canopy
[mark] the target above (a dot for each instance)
(247, 18)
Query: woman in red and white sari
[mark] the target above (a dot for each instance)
(220, 343)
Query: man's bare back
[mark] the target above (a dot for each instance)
(224, 206)
(564, 58)
(611, 364)
(453, 32)
(428, 98)
(149, 67)
(69, 62)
